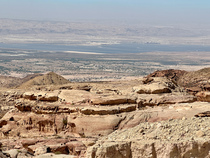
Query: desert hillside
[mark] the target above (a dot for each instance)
(50, 78)
(11, 82)
(194, 81)
(165, 114)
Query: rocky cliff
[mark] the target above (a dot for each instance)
(146, 117)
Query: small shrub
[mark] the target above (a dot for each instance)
(57, 152)
(65, 121)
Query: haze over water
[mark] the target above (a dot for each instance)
(115, 48)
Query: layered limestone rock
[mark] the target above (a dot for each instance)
(156, 86)
(108, 110)
(73, 116)
(8, 99)
(42, 96)
(113, 100)
(203, 114)
(159, 113)
(156, 100)
(187, 138)
(90, 121)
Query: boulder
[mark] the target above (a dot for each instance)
(147, 80)
(58, 149)
(89, 141)
(203, 96)
(29, 95)
(111, 149)
(41, 150)
(6, 129)
(75, 147)
(49, 96)
(2, 155)
(29, 142)
(43, 146)
(13, 153)
(24, 106)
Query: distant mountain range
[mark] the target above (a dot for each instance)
(97, 32)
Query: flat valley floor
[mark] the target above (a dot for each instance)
(80, 66)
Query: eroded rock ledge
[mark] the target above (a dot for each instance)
(70, 118)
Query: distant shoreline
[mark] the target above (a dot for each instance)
(107, 48)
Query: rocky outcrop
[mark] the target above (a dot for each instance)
(68, 119)
(40, 147)
(156, 100)
(8, 99)
(82, 112)
(159, 113)
(199, 79)
(203, 96)
(55, 124)
(90, 121)
(41, 96)
(194, 81)
(170, 74)
(108, 110)
(111, 149)
(157, 140)
(157, 86)
(203, 114)
(76, 148)
(13, 153)
(24, 106)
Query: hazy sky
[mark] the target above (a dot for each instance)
(147, 11)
